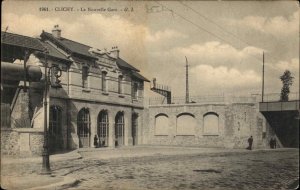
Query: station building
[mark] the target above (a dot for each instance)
(101, 95)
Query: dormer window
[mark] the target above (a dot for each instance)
(85, 73)
(104, 85)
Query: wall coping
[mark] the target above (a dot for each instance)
(188, 105)
(201, 104)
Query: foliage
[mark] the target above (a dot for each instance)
(287, 81)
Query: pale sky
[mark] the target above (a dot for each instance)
(223, 41)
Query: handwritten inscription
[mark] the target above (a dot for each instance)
(157, 9)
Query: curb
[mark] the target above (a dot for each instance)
(66, 183)
(69, 156)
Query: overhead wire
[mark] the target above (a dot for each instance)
(207, 31)
(200, 27)
(223, 29)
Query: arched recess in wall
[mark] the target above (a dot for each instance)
(161, 124)
(186, 124)
(211, 123)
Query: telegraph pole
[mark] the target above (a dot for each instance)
(263, 79)
(187, 82)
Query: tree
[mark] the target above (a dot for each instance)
(287, 81)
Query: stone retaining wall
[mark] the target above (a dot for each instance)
(236, 123)
(21, 142)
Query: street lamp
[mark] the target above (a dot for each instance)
(51, 77)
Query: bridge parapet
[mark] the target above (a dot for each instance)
(292, 105)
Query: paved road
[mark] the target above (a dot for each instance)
(225, 170)
(245, 170)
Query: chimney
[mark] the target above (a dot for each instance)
(56, 31)
(114, 52)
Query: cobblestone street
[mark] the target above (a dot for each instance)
(261, 169)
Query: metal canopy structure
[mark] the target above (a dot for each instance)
(13, 47)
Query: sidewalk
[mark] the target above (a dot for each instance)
(37, 182)
(73, 155)
(144, 150)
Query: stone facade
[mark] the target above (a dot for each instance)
(92, 82)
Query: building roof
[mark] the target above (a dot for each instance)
(81, 49)
(21, 41)
(53, 52)
(124, 64)
(71, 45)
(139, 76)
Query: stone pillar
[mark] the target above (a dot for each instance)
(24, 144)
(111, 130)
(127, 128)
(93, 126)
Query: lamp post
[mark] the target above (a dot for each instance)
(46, 163)
(52, 75)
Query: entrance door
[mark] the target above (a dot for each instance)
(134, 128)
(83, 127)
(119, 129)
(102, 130)
(55, 131)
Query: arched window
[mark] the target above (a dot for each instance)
(186, 124)
(120, 79)
(103, 127)
(83, 127)
(55, 120)
(161, 124)
(211, 124)
(119, 129)
(104, 85)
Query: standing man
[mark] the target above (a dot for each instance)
(250, 142)
(95, 141)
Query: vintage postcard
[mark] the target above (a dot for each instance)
(137, 95)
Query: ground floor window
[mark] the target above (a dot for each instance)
(83, 127)
(103, 127)
(119, 129)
